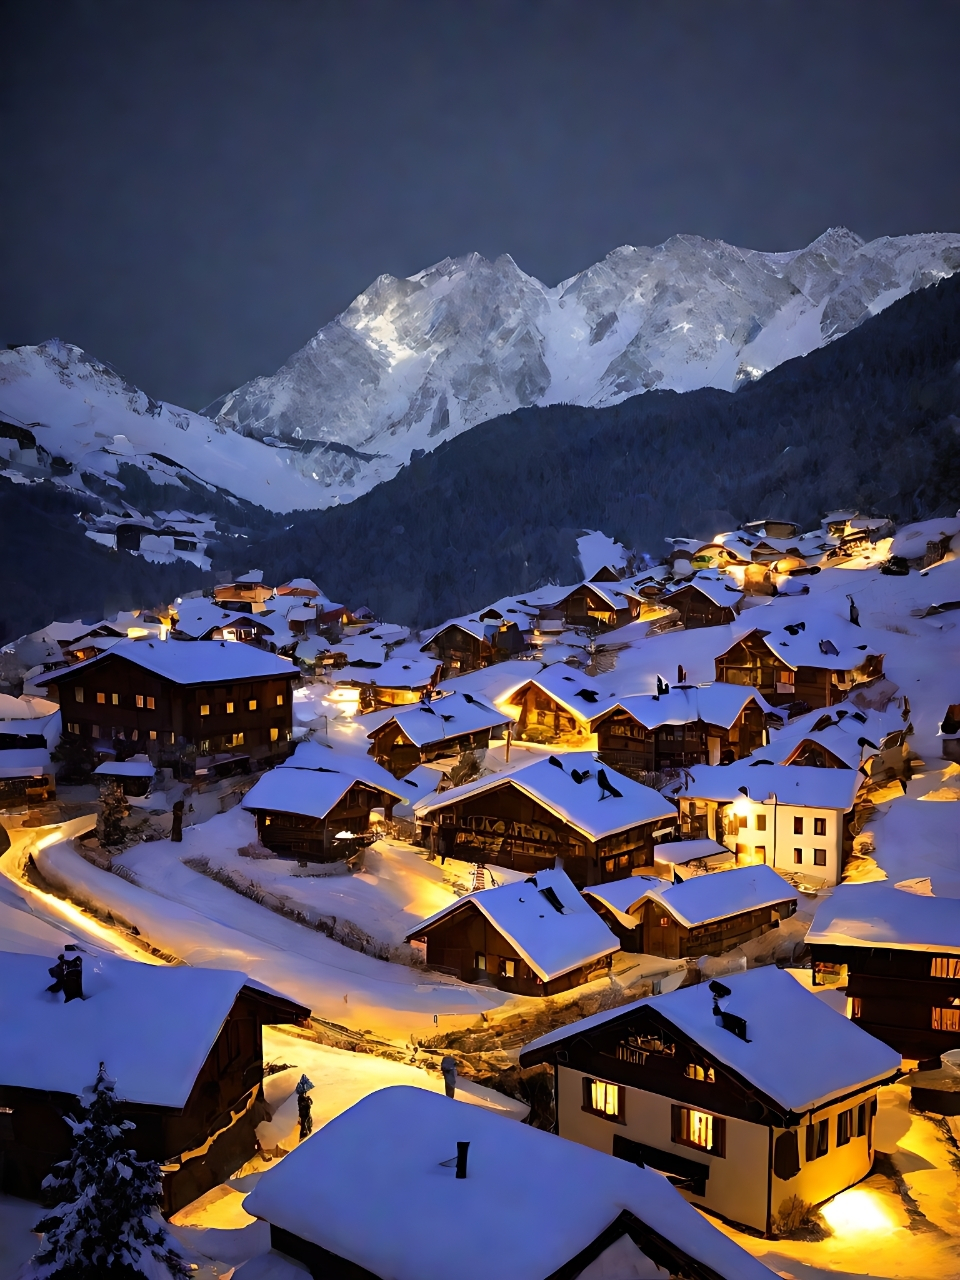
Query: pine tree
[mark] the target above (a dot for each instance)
(113, 810)
(107, 1218)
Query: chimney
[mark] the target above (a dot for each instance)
(462, 1149)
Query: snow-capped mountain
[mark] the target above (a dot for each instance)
(414, 362)
(79, 412)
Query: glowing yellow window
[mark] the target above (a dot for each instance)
(230, 707)
(279, 699)
(252, 704)
(205, 709)
(274, 735)
(101, 698)
(698, 1129)
(603, 1099)
(115, 699)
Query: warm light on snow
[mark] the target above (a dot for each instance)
(859, 1211)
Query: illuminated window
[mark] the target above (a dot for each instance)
(700, 1129)
(945, 967)
(115, 699)
(945, 1019)
(153, 735)
(230, 707)
(761, 822)
(855, 1007)
(252, 704)
(171, 738)
(786, 677)
(102, 698)
(603, 1099)
(151, 704)
(798, 856)
(279, 699)
(664, 922)
(798, 826)
(509, 968)
(135, 734)
(694, 1072)
(819, 826)
(237, 740)
(818, 1139)
(78, 693)
(761, 852)
(205, 709)
(480, 962)
(139, 701)
(73, 727)
(274, 735)
(819, 857)
(844, 1127)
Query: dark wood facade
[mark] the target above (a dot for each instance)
(908, 999)
(116, 699)
(590, 610)
(301, 836)
(197, 1146)
(471, 946)
(750, 662)
(505, 827)
(659, 933)
(460, 650)
(629, 746)
(391, 747)
(696, 609)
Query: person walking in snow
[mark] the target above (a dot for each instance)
(305, 1106)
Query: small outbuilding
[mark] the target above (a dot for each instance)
(468, 644)
(533, 937)
(709, 600)
(702, 916)
(183, 1044)
(558, 706)
(898, 954)
(134, 775)
(433, 729)
(745, 1092)
(409, 1185)
(603, 825)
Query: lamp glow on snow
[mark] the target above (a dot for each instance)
(859, 1211)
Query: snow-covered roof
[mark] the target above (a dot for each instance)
(787, 783)
(125, 769)
(494, 683)
(152, 1026)
(392, 673)
(581, 804)
(25, 708)
(299, 587)
(371, 1186)
(717, 587)
(551, 942)
(470, 624)
(680, 852)
(313, 792)
(799, 1051)
(199, 662)
(314, 755)
(911, 541)
(701, 898)
(880, 915)
(447, 717)
(819, 638)
(24, 762)
(196, 617)
(715, 703)
(577, 693)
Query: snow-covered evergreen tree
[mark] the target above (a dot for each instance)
(113, 810)
(106, 1226)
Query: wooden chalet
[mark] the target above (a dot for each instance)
(439, 729)
(793, 818)
(468, 644)
(205, 620)
(745, 1092)
(183, 1044)
(534, 937)
(688, 725)
(557, 706)
(248, 594)
(796, 665)
(407, 1183)
(601, 824)
(898, 954)
(317, 805)
(710, 600)
(599, 606)
(27, 775)
(169, 697)
(702, 916)
(394, 682)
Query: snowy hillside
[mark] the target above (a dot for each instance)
(81, 411)
(412, 363)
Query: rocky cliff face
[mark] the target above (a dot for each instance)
(414, 362)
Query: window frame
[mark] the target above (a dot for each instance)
(680, 1129)
(819, 826)
(845, 1127)
(817, 1140)
(590, 1083)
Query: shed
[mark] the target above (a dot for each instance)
(134, 775)
(700, 916)
(377, 1193)
(533, 937)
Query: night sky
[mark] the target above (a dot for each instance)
(189, 189)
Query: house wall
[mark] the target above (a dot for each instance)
(676, 941)
(542, 719)
(393, 749)
(763, 831)
(741, 1181)
(107, 707)
(625, 744)
(299, 835)
(698, 610)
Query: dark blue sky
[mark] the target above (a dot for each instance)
(190, 188)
